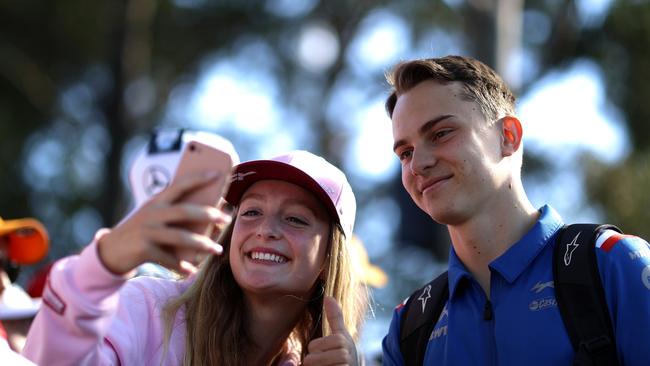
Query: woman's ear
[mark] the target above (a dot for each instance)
(511, 133)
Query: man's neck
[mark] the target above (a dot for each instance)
(483, 238)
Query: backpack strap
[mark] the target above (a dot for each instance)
(580, 295)
(420, 315)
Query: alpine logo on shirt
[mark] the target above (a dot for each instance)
(540, 286)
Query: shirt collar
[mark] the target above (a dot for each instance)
(517, 258)
(456, 272)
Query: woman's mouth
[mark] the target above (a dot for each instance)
(267, 257)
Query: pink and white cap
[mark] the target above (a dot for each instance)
(309, 171)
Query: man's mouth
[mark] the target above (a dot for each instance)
(433, 183)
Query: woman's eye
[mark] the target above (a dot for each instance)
(296, 220)
(250, 212)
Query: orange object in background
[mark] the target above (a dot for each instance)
(27, 240)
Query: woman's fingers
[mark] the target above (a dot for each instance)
(186, 246)
(329, 343)
(137, 239)
(180, 238)
(165, 225)
(337, 348)
(329, 350)
(183, 213)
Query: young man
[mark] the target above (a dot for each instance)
(460, 147)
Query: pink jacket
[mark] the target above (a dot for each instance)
(93, 317)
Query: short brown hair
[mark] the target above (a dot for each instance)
(480, 82)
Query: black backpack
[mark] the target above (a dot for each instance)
(578, 291)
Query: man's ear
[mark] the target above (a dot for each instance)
(511, 135)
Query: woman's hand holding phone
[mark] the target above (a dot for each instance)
(158, 231)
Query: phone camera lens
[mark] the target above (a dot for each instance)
(192, 147)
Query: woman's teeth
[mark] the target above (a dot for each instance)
(268, 257)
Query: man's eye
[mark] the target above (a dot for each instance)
(440, 134)
(404, 154)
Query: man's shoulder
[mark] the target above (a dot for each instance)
(622, 254)
(608, 240)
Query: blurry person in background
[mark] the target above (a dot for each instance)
(152, 169)
(280, 288)
(372, 276)
(460, 145)
(22, 242)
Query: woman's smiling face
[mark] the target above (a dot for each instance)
(280, 239)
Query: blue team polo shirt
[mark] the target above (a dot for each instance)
(526, 327)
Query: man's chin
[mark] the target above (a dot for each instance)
(443, 215)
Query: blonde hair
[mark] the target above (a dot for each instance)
(215, 314)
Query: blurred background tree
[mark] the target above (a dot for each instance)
(83, 83)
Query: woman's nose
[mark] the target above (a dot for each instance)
(268, 228)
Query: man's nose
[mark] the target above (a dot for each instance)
(421, 161)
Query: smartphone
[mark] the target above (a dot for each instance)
(198, 157)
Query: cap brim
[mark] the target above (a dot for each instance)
(25, 247)
(248, 173)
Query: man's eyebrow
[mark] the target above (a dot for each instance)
(423, 129)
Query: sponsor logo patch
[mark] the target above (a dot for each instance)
(542, 304)
(540, 286)
(638, 254)
(438, 332)
(645, 277)
(155, 179)
(570, 248)
(424, 297)
(240, 176)
(53, 300)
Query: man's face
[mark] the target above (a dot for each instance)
(450, 154)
